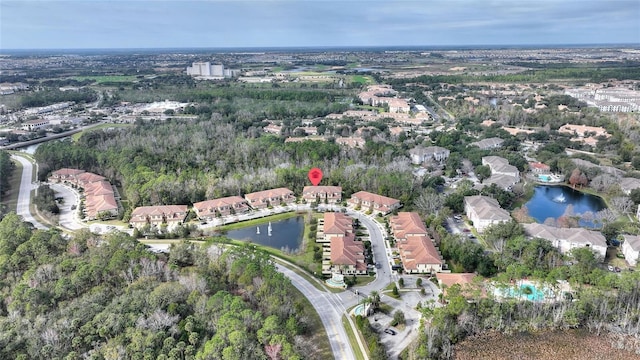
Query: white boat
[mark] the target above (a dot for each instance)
(258, 230)
(560, 199)
(269, 229)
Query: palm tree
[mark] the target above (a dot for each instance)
(375, 299)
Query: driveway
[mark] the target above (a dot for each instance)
(24, 195)
(68, 217)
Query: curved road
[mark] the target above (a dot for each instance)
(24, 195)
(330, 309)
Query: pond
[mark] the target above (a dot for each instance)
(553, 201)
(285, 235)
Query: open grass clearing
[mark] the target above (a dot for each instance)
(352, 339)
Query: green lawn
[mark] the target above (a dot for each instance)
(362, 79)
(77, 136)
(101, 79)
(352, 339)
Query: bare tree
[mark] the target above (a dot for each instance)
(429, 202)
(622, 203)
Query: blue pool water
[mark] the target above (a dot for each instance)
(544, 178)
(526, 291)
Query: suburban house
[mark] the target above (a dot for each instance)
(417, 251)
(631, 249)
(273, 197)
(566, 239)
(322, 194)
(465, 280)
(502, 174)
(100, 206)
(484, 211)
(341, 252)
(373, 202)
(421, 154)
(210, 209)
(159, 216)
(488, 144)
(628, 184)
(539, 168)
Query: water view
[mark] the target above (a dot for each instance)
(553, 201)
(285, 235)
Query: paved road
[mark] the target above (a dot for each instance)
(24, 195)
(330, 308)
(68, 217)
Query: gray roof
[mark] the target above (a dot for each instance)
(488, 143)
(487, 208)
(629, 183)
(633, 241)
(574, 235)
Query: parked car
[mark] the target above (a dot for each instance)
(610, 268)
(466, 230)
(389, 331)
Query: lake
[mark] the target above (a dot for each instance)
(286, 234)
(552, 202)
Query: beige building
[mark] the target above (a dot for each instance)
(210, 209)
(417, 250)
(567, 239)
(367, 201)
(158, 216)
(323, 194)
(484, 211)
(273, 197)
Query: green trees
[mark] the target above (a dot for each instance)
(109, 295)
(6, 169)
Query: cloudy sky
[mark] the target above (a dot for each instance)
(52, 24)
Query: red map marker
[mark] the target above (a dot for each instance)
(315, 175)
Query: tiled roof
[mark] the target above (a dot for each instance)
(337, 223)
(216, 203)
(268, 194)
(375, 198)
(172, 212)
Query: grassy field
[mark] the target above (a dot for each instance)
(352, 339)
(76, 136)
(108, 79)
(362, 79)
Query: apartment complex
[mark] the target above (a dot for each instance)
(99, 196)
(210, 209)
(342, 253)
(168, 216)
(567, 239)
(417, 250)
(322, 194)
(375, 203)
(484, 211)
(272, 197)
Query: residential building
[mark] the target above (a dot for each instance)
(273, 197)
(373, 202)
(421, 154)
(484, 211)
(488, 144)
(161, 216)
(207, 71)
(629, 184)
(34, 125)
(465, 280)
(341, 251)
(273, 129)
(322, 194)
(539, 168)
(417, 250)
(65, 174)
(99, 196)
(210, 209)
(567, 239)
(631, 249)
(502, 174)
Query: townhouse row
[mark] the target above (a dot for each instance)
(100, 199)
(170, 216)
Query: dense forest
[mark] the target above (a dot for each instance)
(185, 162)
(109, 297)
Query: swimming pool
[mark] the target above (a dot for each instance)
(523, 291)
(544, 178)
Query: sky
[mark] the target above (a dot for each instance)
(80, 24)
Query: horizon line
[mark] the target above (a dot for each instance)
(341, 47)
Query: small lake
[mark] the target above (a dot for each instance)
(286, 235)
(552, 202)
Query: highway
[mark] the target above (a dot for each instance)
(24, 195)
